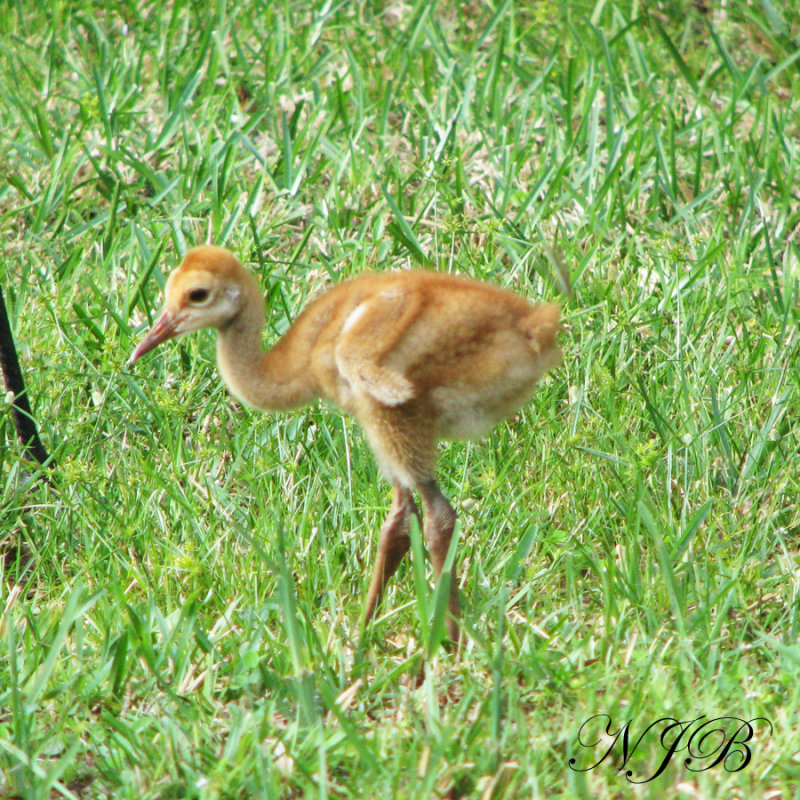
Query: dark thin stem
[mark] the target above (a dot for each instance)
(12, 376)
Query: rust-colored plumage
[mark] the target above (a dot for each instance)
(415, 356)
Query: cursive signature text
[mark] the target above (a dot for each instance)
(702, 743)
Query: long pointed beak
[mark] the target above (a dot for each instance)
(165, 327)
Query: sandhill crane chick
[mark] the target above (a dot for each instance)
(415, 356)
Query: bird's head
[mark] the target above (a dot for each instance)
(206, 291)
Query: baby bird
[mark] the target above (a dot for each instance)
(414, 356)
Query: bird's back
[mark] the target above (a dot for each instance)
(463, 352)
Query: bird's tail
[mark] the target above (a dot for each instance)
(541, 327)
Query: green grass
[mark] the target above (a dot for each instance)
(179, 607)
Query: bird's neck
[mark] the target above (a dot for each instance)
(275, 379)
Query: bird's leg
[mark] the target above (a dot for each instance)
(393, 544)
(440, 519)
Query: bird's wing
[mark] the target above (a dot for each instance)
(369, 334)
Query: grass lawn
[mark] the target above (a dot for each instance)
(179, 605)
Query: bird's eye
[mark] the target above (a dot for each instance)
(198, 296)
